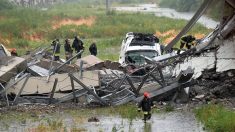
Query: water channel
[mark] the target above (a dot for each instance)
(166, 12)
(161, 122)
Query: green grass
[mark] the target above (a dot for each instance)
(107, 30)
(216, 118)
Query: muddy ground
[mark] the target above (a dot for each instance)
(71, 117)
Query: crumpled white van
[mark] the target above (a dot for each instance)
(137, 45)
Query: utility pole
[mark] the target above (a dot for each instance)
(107, 7)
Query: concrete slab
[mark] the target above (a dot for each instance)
(226, 56)
(11, 68)
(40, 85)
(89, 61)
(206, 61)
(44, 63)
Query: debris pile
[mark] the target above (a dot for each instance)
(214, 85)
(47, 82)
(204, 72)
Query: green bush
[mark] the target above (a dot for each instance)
(216, 118)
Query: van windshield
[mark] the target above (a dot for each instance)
(136, 56)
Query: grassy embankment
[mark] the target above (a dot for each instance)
(216, 118)
(26, 28)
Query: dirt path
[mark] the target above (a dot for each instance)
(83, 21)
(171, 34)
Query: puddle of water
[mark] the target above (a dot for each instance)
(171, 13)
(165, 122)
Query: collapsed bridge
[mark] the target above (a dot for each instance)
(92, 80)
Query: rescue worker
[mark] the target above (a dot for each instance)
(56, 49)
(146, 104)
(68, 50)
(13, 52)
(77, 45)
(93, 49)
(188, 41)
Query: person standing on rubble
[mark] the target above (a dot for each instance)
(68, 50)
(93, 49)
(188, 41)
(78, 46)
(56, 49)
(146, 104)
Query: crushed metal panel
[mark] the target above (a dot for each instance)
(89, 61)
(205, 61)
(164, 57)
(10, 69)
(44, 63)
(226, 56)
(36, 70)
(40, 85)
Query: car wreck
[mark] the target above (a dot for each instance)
(136, 45)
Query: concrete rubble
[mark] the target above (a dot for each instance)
(202, 73)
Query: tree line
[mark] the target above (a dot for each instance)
(214, 10)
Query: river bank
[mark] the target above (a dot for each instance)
(166, 12)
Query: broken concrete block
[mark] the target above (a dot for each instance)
(199, 96)
(226, 56)
(47, 64)
(199, 64)
(40, 85)
(89, 61)
(14, 66)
